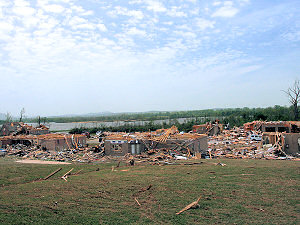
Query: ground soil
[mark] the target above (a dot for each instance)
(40, 162)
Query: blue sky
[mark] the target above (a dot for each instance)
(81, 56)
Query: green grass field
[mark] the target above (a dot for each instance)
(242, 192)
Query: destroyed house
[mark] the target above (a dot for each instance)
(17, 128)
(50, 142)
(287, 143)
(273, 126)
(282, 135)
(211, 129)
(171, 140)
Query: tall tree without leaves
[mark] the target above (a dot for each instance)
(293, 94)
(22, 112)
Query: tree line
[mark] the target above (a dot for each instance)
(231, 117)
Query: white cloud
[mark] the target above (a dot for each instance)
(170, 23)
(183, 27)
(217, 3)
(5, 29)
(292, 36)
(77, 9)
(155, 6)
(186, 34)
(77, 22)
(23, 10)
(243, 2)
(87, 13)
(135, 2)
(203, 24)
(135, 31)
(192, 1)
(54, 8)
(118, 10)
(21, 3)
(63, 39)
(226, 11)
(5, 26)
(176, 12)
(101, 27)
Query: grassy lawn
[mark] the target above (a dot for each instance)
(242, 192)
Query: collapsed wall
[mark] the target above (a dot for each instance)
(50, 142)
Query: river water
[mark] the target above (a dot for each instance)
(68, 126)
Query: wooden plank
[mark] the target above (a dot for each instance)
(51, 174)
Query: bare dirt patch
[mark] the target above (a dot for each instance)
(40, 162)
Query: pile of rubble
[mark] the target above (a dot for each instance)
(160, 146)
(85, 155)
(35, 152)
(236, 143)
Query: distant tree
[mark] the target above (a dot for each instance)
(22, 112)
(8, 117)
(293, 94)
(260, 116)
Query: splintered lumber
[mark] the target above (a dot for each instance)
(189, 151)
(51, 174)
(77, 172)
(192, 205)
(137, 201)
(65, 175)
(145, 144)
(68, 172)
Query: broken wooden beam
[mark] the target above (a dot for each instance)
(137, 201)
(192, 205)
(51, 174)
(77, 172)
(65, 175)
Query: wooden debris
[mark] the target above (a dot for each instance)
(209, 151)
(137, 201)
(51, 174)
(77, 172)
(192, 205)
(146, 189)
(66, 174)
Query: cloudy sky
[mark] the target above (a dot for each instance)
(80, 56)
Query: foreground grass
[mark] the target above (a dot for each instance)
(243, 192)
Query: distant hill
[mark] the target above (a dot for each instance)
(85, 115)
